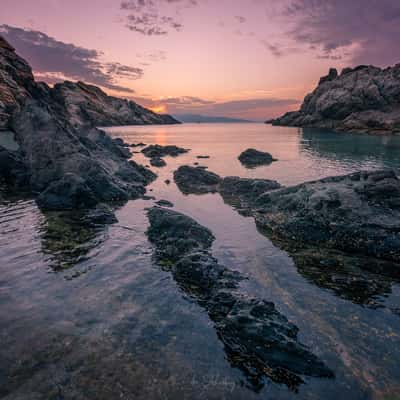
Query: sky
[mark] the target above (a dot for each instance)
(253, 59)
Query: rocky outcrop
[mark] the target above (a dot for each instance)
(196, 180)
(252, 158)
(257, 338)
(356, 213)
(66, 164)
(363, 99)
(156, 150)
(88, 104)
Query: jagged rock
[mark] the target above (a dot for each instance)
(251, 158)
(141, 144)
(13, 170)
(88, 104)
(363, 99)
(156, 150)
(56, 155)
(196, 180)
(157, 162)
(356, 213)
(257, 338)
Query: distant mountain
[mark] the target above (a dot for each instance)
(207, 119)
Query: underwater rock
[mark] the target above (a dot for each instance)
(257, 338)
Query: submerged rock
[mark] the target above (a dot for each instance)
(196, 180)
(156, 150)
(257, 338)
(157, 162)
(362, 99)
(251, 158)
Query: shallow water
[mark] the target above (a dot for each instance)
(86, 314)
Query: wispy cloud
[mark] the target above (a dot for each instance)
(54, 61)
(154, 17)
(368, 30)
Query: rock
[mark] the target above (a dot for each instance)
(164, 203)
(203, 157)
(13, 171)
(251, 158)
(257, 338)
(88, 104)
(167, 181)
(357, 213)
(196, 180)
(156, 150)
(363, 99)
(102, 214)
(68, 193)
(157, 162)
(57, 152)
(244, 192)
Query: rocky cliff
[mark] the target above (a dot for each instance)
(88, 104)
(362, 99)
(67, 164)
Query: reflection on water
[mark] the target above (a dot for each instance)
(126, 330)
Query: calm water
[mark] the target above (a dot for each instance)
(85, 314)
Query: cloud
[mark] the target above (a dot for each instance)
(273, 48)
(257, 108)
(153, 17)
(55, 61)
(366, 29)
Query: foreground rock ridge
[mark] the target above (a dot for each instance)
(59, 155)
(362, 99)
(257, 338)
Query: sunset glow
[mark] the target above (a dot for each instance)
(240, 58)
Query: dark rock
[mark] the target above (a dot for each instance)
(157, 162)
(203, 157)
(167, 181)
(251, 158)
(244, 192)
(356, 213)
(102, 214)
(57, 151)
(13, 170)
(144, 197)
(164, 203)
(156, 150)
(196, 180)
(362, 99)
(257, 338)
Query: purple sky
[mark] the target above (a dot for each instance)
(241, 58)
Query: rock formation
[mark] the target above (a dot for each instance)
(61, 158)
(258, 339)
(362, 99)
(88, 104)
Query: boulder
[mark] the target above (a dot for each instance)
(251, 158)
(196, 180)
(157, 162)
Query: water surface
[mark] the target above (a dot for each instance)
(86, 314)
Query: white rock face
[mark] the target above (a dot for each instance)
(363, 99)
